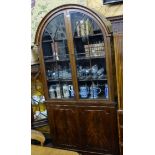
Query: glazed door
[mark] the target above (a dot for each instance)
(90, 57)
(56, 57)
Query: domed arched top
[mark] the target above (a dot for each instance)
(106, 25)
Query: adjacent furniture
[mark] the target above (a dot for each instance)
(118, 46)
(78, 69)
(42, 123)
(41, 150)
(37, 135)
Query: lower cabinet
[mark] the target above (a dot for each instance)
(90, 130)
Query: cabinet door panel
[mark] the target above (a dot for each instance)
(64, 124)
(89, 51)
(57, 65)
(98, 128)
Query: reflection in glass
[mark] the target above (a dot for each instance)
(90, 56)
(56, 58)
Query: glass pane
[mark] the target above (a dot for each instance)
(56, 58)
(90, 57)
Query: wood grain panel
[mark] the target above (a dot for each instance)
(120, 130)
(98, 129)
(118, 47)
(121, 149)
(64, 122)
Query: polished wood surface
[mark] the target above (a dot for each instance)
(118, 47)
(64, 126)
(85, 128)
(98, 128)
(72, 56)
(120, 130)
